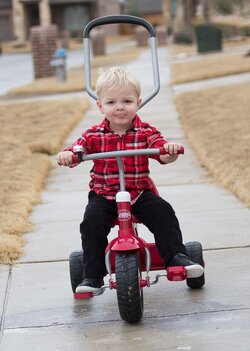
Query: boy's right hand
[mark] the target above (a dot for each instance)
(65, 158)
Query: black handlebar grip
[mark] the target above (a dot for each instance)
(118, 19)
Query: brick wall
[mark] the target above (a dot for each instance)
(107, 8)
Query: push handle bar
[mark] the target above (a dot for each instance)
(121, 19)
(120, 153)
(118, 19)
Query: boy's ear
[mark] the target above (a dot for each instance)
(99, 105)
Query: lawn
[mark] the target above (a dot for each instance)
(217, 123)
(217, 120)
(209, 66)
(29, 133)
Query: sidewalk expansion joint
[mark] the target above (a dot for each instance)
(53, 325)
(201, 312)
(228, 248)
(66, 259)
(177, 315)
(58, 325)
(5, 303)
(42, 261)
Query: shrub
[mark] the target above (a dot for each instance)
(225, 7)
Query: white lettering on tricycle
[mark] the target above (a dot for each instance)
(124, 215)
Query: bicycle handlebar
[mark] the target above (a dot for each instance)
(121, 153)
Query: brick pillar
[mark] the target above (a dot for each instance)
(98, 42)
(161, 34)
(43, 46)
(142, 36)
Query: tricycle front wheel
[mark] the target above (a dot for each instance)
(129, 292)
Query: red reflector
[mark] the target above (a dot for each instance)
(176, 273)
(85, 295)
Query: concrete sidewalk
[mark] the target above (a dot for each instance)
(39, 312)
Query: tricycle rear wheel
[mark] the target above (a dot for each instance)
(76, 268)
(194, 251)
(129, 292)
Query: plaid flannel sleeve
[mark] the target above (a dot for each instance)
(156, 140)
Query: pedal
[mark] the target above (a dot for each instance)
(177, 273)
(85, 295)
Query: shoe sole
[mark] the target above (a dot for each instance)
(84, 289)
(194, 271)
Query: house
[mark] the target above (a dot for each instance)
(148, 9)
(69, 15)
(18, 16)
(6, 27)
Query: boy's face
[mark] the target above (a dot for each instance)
(119, 105)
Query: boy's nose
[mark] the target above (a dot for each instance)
(119, 106)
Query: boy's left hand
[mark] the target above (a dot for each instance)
(172, 152)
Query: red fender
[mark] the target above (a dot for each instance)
(127, 243)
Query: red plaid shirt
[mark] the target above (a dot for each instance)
(105, 174)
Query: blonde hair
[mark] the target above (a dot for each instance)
(119, 77)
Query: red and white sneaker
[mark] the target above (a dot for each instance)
(90, 285)
(194, 270)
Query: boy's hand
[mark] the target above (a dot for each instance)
(64, 158)
(172, 150)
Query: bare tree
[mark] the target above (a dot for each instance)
(205, 10)
(190, 9)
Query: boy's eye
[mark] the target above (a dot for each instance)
(111, 102)
(128, 101)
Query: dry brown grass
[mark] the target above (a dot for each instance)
(231, 20)
(29, 134)
(182, 49)
(216, 121)
(209, 67)
(75, 77)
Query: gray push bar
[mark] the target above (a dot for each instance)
(120, 153)
(121, 19)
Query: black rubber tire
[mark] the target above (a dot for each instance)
(129, 292)
(76, 268)
(194, 251)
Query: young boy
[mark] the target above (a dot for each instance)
(118, 93)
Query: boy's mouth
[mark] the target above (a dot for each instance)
(120, 116)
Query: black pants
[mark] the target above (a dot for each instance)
(154, 212)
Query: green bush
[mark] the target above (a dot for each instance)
(225, 7)
(247, 31)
